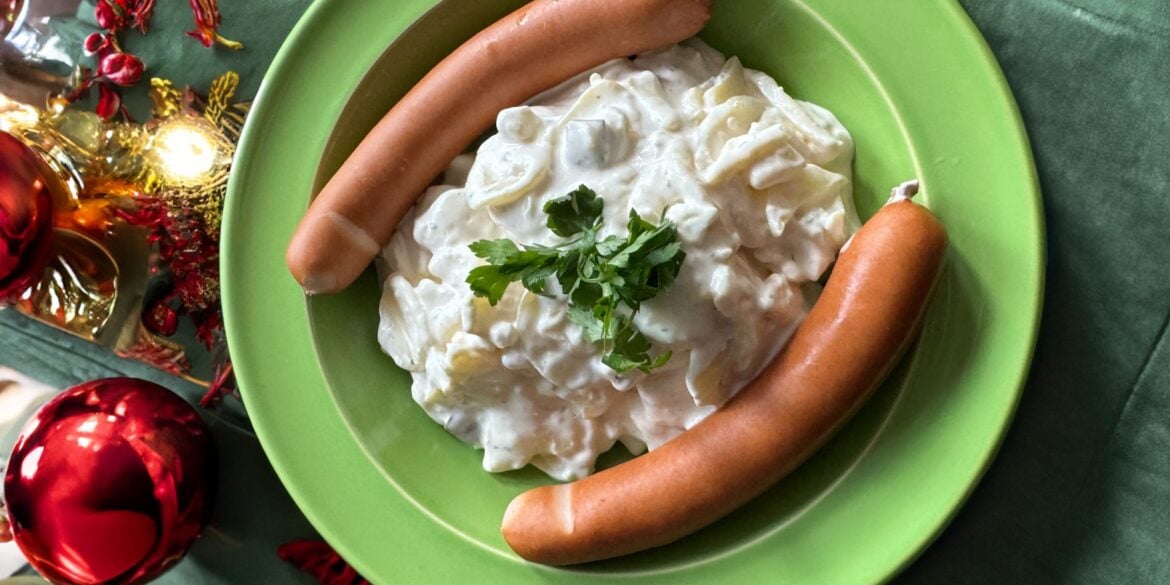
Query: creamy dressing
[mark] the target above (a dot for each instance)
(758, 186)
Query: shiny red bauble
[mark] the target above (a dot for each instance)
(26, 218)
(110, 482)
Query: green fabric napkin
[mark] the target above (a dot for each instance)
(1080, 491)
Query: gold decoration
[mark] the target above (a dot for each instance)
(79, 289)
(95, 283)
(190, 158)
(166, 99)
(196, 151)
(220, 95)
(231, 123)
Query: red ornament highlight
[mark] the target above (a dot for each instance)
(110, 483)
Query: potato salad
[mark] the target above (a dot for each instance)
(754, 183)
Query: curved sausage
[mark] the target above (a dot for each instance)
(869, 312)
(531, 50)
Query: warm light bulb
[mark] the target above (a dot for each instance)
(187, 153)
(15, 114)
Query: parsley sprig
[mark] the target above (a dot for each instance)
(605, 280)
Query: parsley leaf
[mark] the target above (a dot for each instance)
(506, 264)
(495, 251)
(605, 281)
(488, 281)
(590, 325)
(574, 213)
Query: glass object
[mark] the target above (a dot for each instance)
(34, 59)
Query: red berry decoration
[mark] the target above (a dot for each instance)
(161, 319)
(109, 14)
(110, 483)
(319, 560)
(26, 218)
(109, 102)
(95, 43)
(123, 69)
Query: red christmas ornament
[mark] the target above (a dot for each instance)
(109, 483)
(26, 218)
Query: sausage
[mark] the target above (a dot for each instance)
(529, 51)
(868, 313)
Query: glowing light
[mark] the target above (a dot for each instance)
(15, 114)
(187, 152)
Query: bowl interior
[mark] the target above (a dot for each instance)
(813, 60)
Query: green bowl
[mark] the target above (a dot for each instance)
(405, 502)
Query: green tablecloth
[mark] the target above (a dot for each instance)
(1080, 492)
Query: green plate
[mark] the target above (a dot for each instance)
(407, 503)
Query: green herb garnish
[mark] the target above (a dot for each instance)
(606, 281)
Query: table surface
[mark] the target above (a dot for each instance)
(1080, 491)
